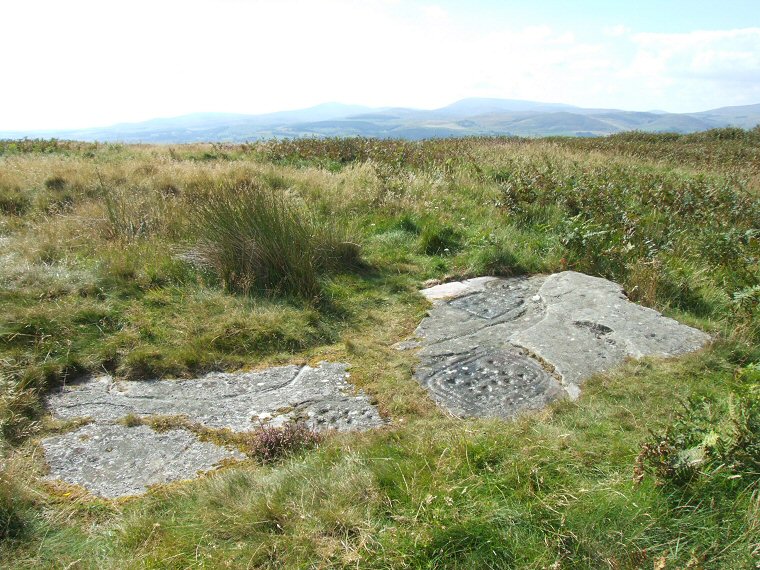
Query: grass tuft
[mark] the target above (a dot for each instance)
(261, 240)
(439, 239)
(14, 508)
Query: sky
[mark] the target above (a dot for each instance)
(83, 63)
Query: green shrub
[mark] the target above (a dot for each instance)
(55, 183)
(709, 441)
(408, 223)
(496, 259)
(271, 443)
(746, 307)
(263, 240)
(677, 240)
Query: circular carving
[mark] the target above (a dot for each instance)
(494, 384)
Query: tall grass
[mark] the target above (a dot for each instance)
(12, 515)
(263, 240)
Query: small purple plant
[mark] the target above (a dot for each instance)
(271, 443)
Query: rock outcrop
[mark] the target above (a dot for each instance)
(113, 460)
(489, 347)
(493, 347)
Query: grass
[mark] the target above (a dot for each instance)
(258, 239)
(150, 261)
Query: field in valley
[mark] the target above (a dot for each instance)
(169, 261)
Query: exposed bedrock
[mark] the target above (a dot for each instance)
(488, 347)
(319, 396)
(493, 347)
(113, 460)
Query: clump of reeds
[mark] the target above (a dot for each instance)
(261, 240)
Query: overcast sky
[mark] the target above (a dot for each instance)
(81, 63)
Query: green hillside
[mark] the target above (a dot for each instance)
(127, 260)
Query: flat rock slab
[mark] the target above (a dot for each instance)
(116, 461)
(319, 396)
(494, 347)
(101, 456)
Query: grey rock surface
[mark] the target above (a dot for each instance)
(319, 396)
(493, 347)
(112, 460)
(455, 288)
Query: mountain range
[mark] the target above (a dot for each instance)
(468, 117)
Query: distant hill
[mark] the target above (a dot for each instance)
(476, 106)
(746, 116)
(468, 117)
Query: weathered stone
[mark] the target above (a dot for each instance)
(590, 326)
(406, 345)
(116, 461)
(113, 460)
(533, 340)
(319, 396)
(455, 288)
(489, 383)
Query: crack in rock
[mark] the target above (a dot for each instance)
(217, 400)
(547, 334)
(112, 460)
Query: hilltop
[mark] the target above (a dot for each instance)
(140, 282)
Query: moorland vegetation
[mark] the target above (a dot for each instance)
(167, 261)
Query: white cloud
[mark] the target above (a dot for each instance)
(84, 62)
(616, 31)
(721, 64)
(435, 13)
(706, 53)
